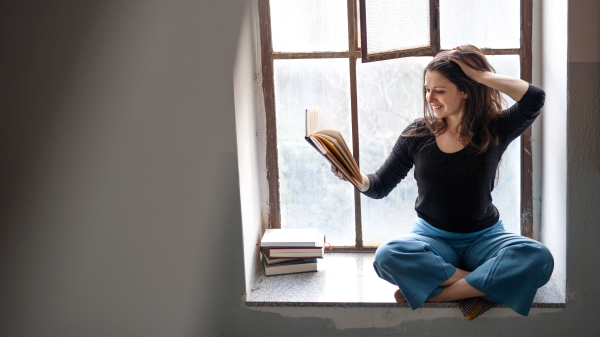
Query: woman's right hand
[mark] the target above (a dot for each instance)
(471, 72)
(337, 173)
(363, 187)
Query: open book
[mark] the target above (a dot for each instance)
(329, 142)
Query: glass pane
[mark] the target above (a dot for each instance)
(311, 196)
(507, 194)
(393, 24)
(390, 96)
(309, 25)
(509, 65)
(482, 23)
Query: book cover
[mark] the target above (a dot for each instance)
(292, 237)
(279, 260)
(290, 252)
(291, 267)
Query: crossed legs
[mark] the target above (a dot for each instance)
(455, 288)
(494, 265)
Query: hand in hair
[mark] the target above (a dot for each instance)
(513, 87)
(464, 62)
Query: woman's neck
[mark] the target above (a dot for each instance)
(452, 123)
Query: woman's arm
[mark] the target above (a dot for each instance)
(515, 88)
(395, 168)
(516, 119)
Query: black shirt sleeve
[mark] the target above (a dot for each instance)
(516, 119)
(395, 168)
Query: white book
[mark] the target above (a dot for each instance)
(292, 237)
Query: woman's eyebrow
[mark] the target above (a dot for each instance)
(436, 87)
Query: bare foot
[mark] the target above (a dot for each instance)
(399, 297)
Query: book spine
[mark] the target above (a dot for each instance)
(266, 251)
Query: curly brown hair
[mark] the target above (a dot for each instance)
(482, 105)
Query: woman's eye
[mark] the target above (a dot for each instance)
(440, 92)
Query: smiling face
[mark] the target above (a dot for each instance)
(443, 97)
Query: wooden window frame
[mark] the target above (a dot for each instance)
(354, 53)
(431, 50)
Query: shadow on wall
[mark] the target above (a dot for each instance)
(39, 41)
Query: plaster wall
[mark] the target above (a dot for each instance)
(120, 209)
(251, 139)
(554, 145)
(537, 135)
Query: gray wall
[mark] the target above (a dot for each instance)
(119, 197)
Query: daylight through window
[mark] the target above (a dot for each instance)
(312, 58)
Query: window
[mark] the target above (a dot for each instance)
(312, 57)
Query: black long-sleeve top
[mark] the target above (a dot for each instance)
(455, 189)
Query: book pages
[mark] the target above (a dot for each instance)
(316, 121)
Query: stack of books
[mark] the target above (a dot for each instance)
(287, 251)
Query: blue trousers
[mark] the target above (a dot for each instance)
(507, 267)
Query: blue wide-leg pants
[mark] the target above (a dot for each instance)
(507, 267)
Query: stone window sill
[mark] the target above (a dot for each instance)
(349, 280)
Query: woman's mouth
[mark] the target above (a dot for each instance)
(436, 107)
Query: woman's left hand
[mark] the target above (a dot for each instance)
(513, 87)
(470, 72)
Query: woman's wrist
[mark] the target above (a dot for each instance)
(515, 88)
(366, 183)
(481, 76)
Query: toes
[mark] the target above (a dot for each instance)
(399, 297)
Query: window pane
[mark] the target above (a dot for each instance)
(393, 24)
(311, 196)
(309, 25)
(483, 23)
(509, 65)
(390, 96)
(507, 194)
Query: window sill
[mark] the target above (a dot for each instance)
(349, 280)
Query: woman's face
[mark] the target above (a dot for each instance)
(443, 96)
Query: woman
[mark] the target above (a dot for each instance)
(457, 247)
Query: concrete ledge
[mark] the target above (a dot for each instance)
(349, 280)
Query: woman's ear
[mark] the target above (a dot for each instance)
(464, 95)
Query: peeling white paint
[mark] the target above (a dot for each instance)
(353, 317)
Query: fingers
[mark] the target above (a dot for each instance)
(464, 62)
(458, 61)
(337, 173)
(455, 50)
